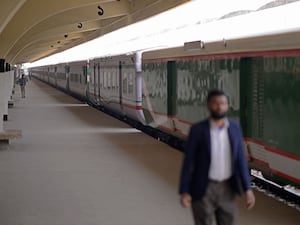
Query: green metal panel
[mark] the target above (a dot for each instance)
(282, 103)
(196, 77)
(252, 97)
(271, 101)
(154, 89)
(245, 90)
(172, 87)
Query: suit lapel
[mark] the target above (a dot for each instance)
(207, 136)
(232, 140)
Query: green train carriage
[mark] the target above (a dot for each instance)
(261, 76)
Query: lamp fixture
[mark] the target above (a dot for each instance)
(101, 10)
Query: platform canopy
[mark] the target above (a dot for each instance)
(33, 29)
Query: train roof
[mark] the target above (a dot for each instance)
(238, 33)
(250, 46)
(267, 30)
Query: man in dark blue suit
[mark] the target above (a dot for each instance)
(214, 167)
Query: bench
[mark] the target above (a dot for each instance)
(7, 135)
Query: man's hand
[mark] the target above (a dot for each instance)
(250, 199)
(185, 200)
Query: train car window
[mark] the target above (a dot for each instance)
(236, 64)
(63, 76)
(125, 83)
(109, 78)
(130, 84)
(67, 69)
(112, 75)
(74, 78)
(229, 65)
(85, 72)
(104, 80)
(117, 79)
(222, 64)
(113, 79)
(93, 75)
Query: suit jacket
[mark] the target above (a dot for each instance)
(196, 163)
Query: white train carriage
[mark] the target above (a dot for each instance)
(116, 83)
(94, 81)
(61, 76)
(44, 73)
(52, 75)
(131, 71)
(37, 72)
(78, 78)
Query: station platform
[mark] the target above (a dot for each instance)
(78, 166)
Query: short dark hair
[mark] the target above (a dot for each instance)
(215, 92)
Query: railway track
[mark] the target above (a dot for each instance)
(288, 195)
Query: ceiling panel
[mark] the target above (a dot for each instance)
(33, 29)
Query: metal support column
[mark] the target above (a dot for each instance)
(7, 67)
(2, 65)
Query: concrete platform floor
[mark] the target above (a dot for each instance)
(78, 166)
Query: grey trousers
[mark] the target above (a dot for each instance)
(23, 91)
(219, 201)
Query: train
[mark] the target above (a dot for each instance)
(165, 90)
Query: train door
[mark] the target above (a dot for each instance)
(171, 88)
(98, 82)
(85, 74)
(172, 93)
(252, 98)
(94, 81)
(67, 72)
(120, 85)
(55, 75)
(48, 74)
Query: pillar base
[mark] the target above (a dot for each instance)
(4, 142)
(2, 65)
(10, 104)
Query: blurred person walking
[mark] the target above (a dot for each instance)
(215, 168)
(22, 83)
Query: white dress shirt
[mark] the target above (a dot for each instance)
(220, 165)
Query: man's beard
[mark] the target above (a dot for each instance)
(217, 115)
